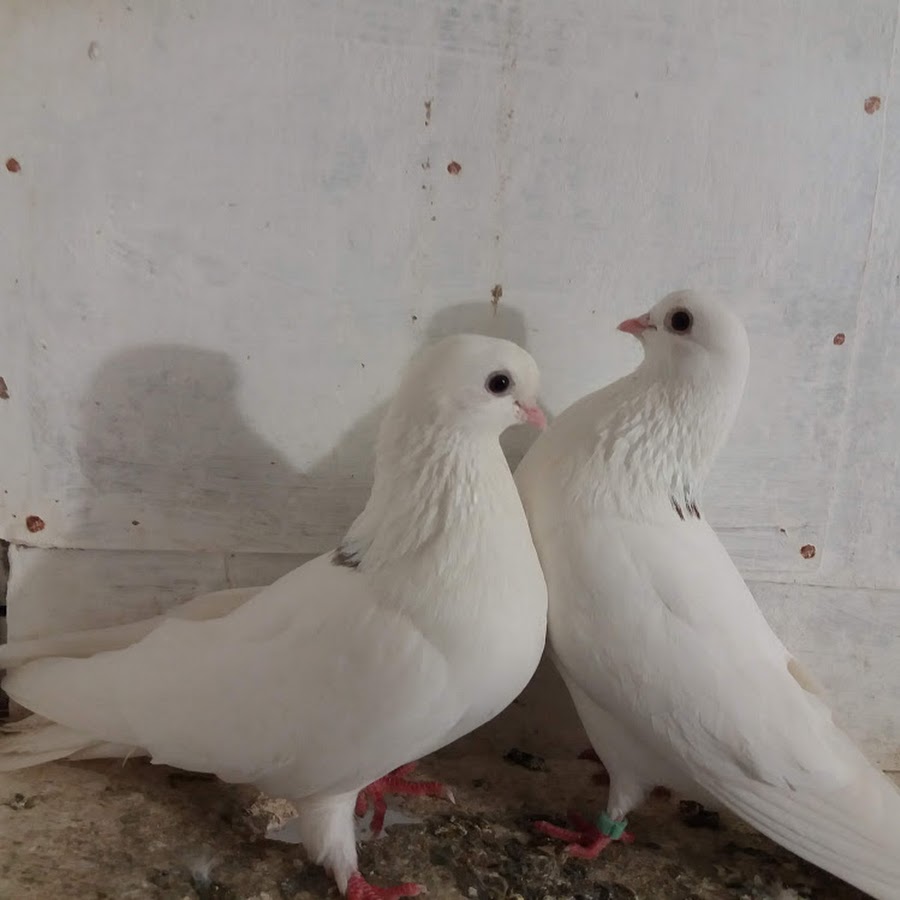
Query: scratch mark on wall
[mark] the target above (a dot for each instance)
(505, 114)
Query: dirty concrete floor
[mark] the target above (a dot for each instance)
(103, 830)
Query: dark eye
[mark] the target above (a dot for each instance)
(498, 382)
(681, 321)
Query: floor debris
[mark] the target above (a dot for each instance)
(104, 831)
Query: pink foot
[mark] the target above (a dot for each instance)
(585, 840)
(396, 782)
(360, 889)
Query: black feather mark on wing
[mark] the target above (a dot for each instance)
(689, 505)
(343, 557)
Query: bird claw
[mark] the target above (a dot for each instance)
(584, 841)
(396, 782)
(360, 889)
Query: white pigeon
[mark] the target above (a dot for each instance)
(428, 620)
(676, 675)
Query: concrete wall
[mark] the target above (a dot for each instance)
(225, 226)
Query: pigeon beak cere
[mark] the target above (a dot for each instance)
(637, 326)
(533, 414)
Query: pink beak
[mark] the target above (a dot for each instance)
(637, 326)
(533, 414)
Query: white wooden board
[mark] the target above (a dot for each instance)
(221, 232)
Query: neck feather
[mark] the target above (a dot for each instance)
(654, 440)
(430, 481)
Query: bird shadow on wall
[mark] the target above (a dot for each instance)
(162, 425)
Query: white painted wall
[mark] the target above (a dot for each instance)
(232, 223)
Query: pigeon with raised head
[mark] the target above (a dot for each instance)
(676, 675)
(426, 621)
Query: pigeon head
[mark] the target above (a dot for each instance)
(454, 400)
(691, 335)
(473, 383)
(685, 393)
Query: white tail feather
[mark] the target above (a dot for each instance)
(35, 740)
(854, 834)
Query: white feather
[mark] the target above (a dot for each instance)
(675, 673)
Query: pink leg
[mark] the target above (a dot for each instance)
(360, 889)
(585, 840)
(396, 782)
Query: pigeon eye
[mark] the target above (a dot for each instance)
(681, 321)
(498, 383)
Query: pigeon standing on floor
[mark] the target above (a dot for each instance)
(675, 673)
(426, 621)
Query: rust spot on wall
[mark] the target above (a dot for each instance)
(34, 523)
(496, 294)
(428, 112)
(808, 551)
(454, 168)
(839, 338)
(872, 105)
(12, 165)
(4, 390)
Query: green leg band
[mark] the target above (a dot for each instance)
(612, 828)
